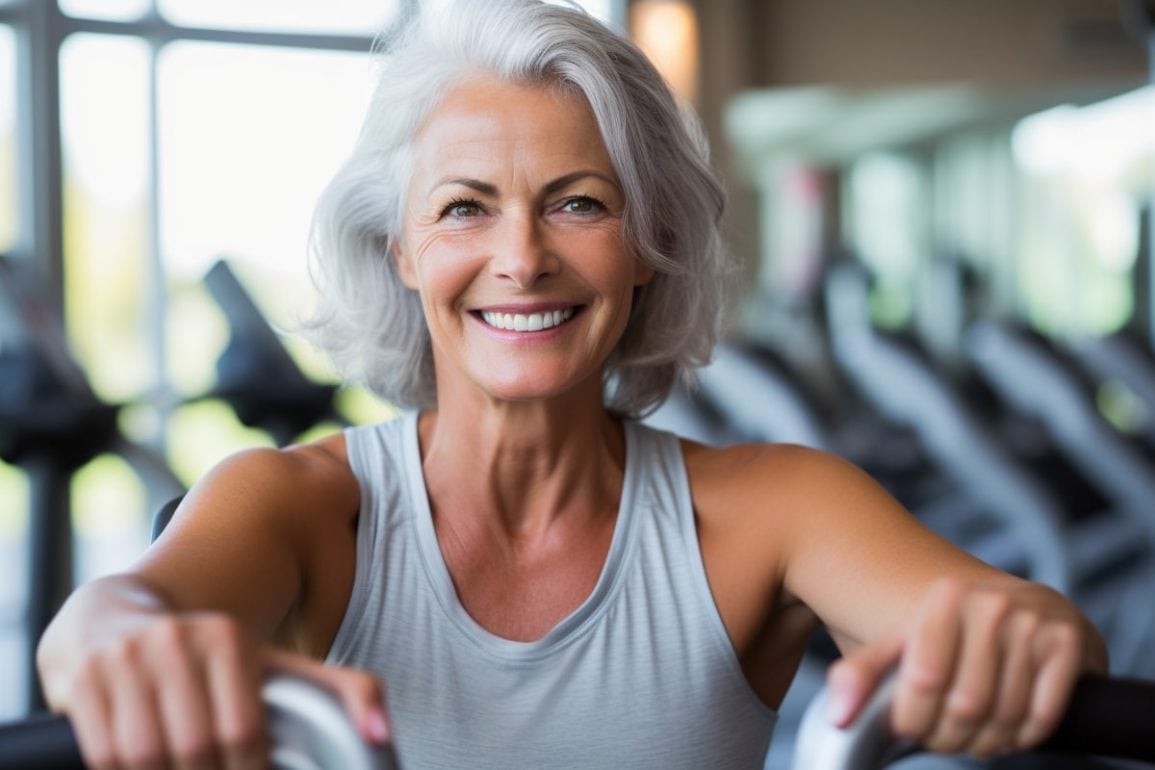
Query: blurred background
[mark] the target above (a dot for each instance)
(943, 212)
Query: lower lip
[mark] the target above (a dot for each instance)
(507, 335)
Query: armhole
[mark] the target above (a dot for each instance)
(701, 580)
(367, 528)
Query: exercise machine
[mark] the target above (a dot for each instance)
(1108, 718)
(51, 424)
(308, 729)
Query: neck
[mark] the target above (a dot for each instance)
(519, 469)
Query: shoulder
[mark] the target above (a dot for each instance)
(787, 500)
(767, 478)
(316, 469)
(279, 525)
(287, 489)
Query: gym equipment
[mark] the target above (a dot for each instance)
(256, 376)
(1106, 718)
(1036, 380)
(903, 385)
(687, 414)
(760, 405)
(1126, 359)
(308, 730)
(51, 424)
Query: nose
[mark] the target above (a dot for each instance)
(521, 253)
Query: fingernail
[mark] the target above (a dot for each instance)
(839, 707)
(377, 726)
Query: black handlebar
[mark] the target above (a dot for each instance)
(308, 730)
(1107, 717)
(43, 742)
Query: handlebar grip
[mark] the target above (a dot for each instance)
(307, 726)
(1107, 717)
(44, 742)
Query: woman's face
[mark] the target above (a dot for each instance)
(513, 238)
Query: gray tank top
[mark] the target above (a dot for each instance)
(641, 675)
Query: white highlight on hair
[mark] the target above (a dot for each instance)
(372, 326)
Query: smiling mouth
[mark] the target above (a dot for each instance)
(527, 322)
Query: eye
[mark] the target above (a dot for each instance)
(582, 204)
(462, 208)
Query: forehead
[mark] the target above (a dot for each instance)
(490, 123)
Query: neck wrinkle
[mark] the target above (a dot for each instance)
(520, 472)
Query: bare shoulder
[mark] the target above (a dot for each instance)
(255, 535)
(293, 478)
(769, 484)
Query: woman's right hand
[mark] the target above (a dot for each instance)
(182, 690)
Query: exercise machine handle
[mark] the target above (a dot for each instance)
(1107, 717)
(307, 726)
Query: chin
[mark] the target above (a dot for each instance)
(531, 389)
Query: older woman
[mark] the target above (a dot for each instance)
(524, 250)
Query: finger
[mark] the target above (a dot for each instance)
(185, 713)
(971, 695)
(851, 680)
(136, 731)
(1062, 657)
(928, 662)
(360, 692)
(232, 674)
(91, 720)
(1013, 700)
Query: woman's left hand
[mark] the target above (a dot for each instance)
(982, 668)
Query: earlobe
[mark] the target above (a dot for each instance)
(643, 273)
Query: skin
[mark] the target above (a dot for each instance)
(519, 207)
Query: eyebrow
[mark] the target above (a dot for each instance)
(486, 188)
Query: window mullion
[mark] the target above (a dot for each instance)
(39, 166)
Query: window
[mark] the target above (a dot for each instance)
(308, 16)
(112, 10)
(242, 186)
(8, 211)
(1087, 172)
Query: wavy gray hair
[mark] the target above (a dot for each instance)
(372, 326)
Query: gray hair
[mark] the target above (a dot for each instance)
(373, 327)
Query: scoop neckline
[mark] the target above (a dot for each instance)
(572, 626)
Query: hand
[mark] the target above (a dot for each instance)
(986, 669)
(183, 691)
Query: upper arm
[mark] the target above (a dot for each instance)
(833, 538)
(246, 538)
(857, 557)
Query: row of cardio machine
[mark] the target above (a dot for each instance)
(1007, 454)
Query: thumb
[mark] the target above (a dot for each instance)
(851, 680)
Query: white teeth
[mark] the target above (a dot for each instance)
(527, 323)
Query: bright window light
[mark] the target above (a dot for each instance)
(111, 10)
(667, 30)
(315, 16)
(248, 137)
(106, 144)
(8, 210)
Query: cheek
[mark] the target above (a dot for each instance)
(443, 276)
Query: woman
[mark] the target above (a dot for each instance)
(524, 250)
